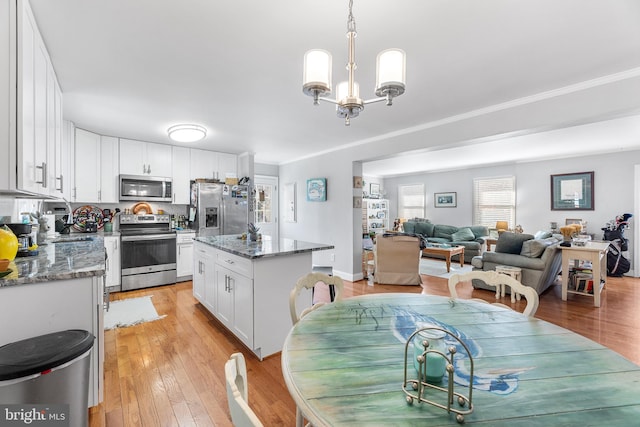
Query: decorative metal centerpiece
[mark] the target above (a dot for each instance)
(432, 361)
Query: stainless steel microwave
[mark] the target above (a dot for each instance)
(147, 188)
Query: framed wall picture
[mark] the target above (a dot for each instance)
(317, 189)
(572, 192)
(357, 202)
(445, 200)
(357, 182)
(374, 189)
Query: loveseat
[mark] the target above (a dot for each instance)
(539, 258)
(471, 237)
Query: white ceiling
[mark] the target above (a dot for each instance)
(133, 68)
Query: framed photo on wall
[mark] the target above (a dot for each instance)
(572, 192)
(374, 189)
(445, 200)
(317, 190)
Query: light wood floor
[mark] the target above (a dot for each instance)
(171, 372)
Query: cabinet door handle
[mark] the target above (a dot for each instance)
(43, 167)
(100, 195)
(61, 189)
(228, 261)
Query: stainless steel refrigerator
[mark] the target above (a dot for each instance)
(220, 208)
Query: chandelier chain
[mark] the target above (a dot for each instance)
(351, 22)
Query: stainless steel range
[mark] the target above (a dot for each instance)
(148, 251)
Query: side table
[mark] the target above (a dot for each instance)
(596, 253)
(516, 273)
(490, 242)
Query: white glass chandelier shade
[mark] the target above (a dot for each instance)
(390, 77)
(390, 72)
(317, 73)
(186, 133)
(342, 91)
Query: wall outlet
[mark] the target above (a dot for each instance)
(333, 257)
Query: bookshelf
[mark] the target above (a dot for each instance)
(376, 215)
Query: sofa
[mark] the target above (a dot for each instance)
(397, 259)
(471, 237)
(539, 258)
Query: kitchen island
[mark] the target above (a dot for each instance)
(246, 285)
(59, 288)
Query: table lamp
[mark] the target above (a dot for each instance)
(502, 226)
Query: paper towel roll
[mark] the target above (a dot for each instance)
(51, 222)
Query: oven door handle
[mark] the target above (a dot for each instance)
(148, 237)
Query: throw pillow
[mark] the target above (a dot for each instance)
(409, 227)
(463, 235)
(444, 231)
(533, 248)
(416, 219)
(424, 228)
(542, 234)
(511, 243)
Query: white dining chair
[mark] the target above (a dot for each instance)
(235, 372)
(309, 281)
(493, 278)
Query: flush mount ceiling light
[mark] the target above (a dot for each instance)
(186, 133)
(390, 77)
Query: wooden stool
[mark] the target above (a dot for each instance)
(516, 273)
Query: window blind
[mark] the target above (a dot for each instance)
(411, 198)
(494, 199)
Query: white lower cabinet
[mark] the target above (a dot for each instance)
(112, 270)
(184, 256)
(249, 296)
(202, 272)
(41, 308)
(234, 303)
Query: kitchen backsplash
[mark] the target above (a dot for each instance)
(11, 207)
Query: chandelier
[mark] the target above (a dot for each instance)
(390, 77)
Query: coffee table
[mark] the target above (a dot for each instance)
(447, 252)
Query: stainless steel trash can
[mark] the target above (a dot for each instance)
(51, 369)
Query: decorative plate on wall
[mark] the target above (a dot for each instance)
(86, 213)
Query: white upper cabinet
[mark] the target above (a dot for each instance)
(109, 176)
(144, 158)
(87, 167)
(180, 175)
(96, 168)
(68, 150)
(227, 165)
(204, 164)
(39, 111)
(211, 164)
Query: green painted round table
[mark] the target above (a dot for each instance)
(344, 362)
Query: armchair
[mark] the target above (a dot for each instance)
(397, 259)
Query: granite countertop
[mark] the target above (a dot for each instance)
(69, 258)
(265, 248)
